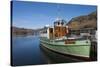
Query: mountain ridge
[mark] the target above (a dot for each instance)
(84, 21)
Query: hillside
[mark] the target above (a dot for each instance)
(25, 31)
(82, 22)
(22, 31)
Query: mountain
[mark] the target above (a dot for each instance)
(21, 31)
(83, 22)
(25, 31)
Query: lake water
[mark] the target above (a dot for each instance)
(27, 51)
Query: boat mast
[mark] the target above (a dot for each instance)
(58, 12)
(58, 18)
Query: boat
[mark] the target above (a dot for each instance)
(58, 39)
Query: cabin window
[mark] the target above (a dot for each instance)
(51, 30)
(56, 35)
(58, 23)
(62, 23)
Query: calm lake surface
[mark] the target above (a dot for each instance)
(27, 51)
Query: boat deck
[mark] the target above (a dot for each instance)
(62, 42)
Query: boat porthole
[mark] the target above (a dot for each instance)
(86, 41)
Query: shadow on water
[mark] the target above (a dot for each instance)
(54, 57)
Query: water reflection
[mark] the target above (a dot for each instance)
(26, 51)
(54, 57)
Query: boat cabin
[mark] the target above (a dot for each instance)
(58, 31)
